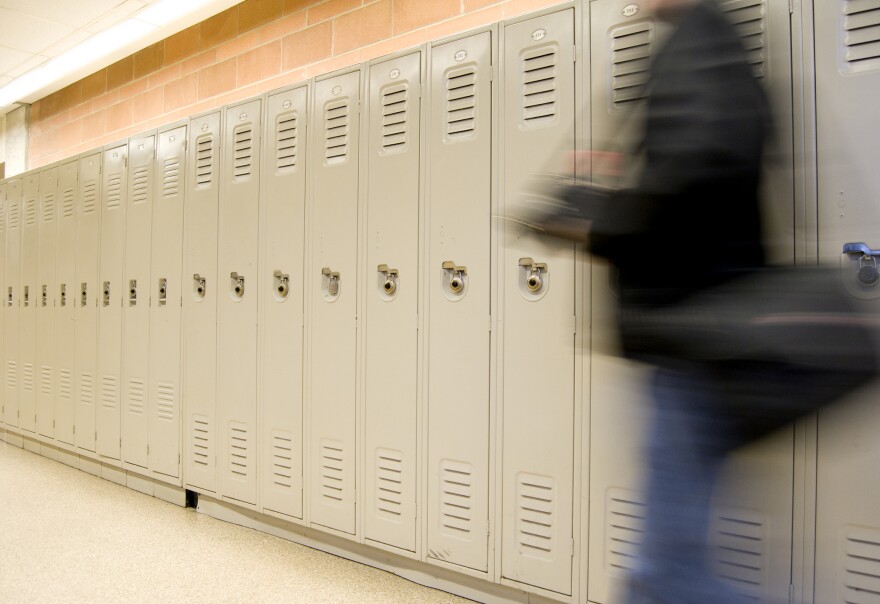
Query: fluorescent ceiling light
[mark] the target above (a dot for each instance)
(100, 45)
(26, 84)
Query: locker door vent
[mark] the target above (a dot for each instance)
(165, 402)
(739, 538)
(140, 185)
(201, 440)
(282, 459)
(114, 191)
(86, 388)
(861, 34)
(239, 450)
(623, 530)
(46, 380)
(539, 87)
(14, 216)
(747, 17)
(49, 207)
(457, 495)
(332, 471)
(536, 516)
(65, 384)
(630, 59)
(860, 581)
(336, 131)
(286, 141)
(27, 377)
(170, 178)
(2, 218)
(204, 161)
(243, 151)
(394, 105)
(136, 396)
(109, 392)
(11, 375)
(67, 203)
(30, 212)
(461, 103)
(389, 484)
(90, 196)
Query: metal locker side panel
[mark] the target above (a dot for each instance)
(538, 312)
(137, 290)
(237, 303)
(111, 271)
(45, 300)
(200, 289)
(391, 289)
(3, 228)
(165, 308)
(28, 317)
(66, 301)
(459, 282)
(12, 321)
(281, 300)
(335, 132)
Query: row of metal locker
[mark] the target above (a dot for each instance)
(306, 304)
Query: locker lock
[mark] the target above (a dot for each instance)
(868, 275)
(45, 298)
(389, 286)
(237, 284)
(132, 292)
(163, 291)
(331, 282)
(106, 293)
(63, 294)
(83, 294)
(456, 276)
(27, 295)
(200, 286)
(533, 271)
(282, 285)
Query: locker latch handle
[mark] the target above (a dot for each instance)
(106, 293)
(391, 277)
(9, 301)
(456, 276)
(163, 291)
(63, 294)
(868, 274)
(534, 280)
(332, 284)
(45, 295)
(84, 295)
(237, 284)
(282, 285)
(200, 286)
(132, 292)
(27, 295)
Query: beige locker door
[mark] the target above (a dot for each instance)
(110, 298)
(333, 277)
(847, 88)
(45, 300)
(459, 284)
(28, 318)
(166, 301)
(391, 289)
(538, 312)
(3, 367)
(65, 303)
(12, 300)
(200, 287)
(237, 302)
(282, 216)
(136, 290)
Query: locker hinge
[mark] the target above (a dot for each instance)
(571, 552)
(575, 55)
(18, 414)
(120, 443)
(53, 423)
(178, 459)
(96, 436)
(574, 324)
(148, 449)
(790, 7)
(74, 429)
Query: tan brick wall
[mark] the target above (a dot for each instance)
(254, 47)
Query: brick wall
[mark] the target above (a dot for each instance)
(254, 47)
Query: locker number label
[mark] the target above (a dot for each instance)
(461, 55)
(337, 90)
(395, 73)
(539, 34)
(630, 10)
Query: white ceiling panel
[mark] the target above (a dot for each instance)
(114, 16)
(11, 58)
(67, 43)
(29, 34)
(25, 66)
(74, 13)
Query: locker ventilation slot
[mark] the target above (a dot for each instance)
(630, 58)
(243, 151)
(140, 185)
(46, 380)
(2, 218)
(204, 161)
(239, 450)
(30, 211)
(461, 103)
(623, 530)
(456, 497)
(13, 216)
(86, 389)
(739, 540)
(27, 377)
(389, 484)
(861, 33)
(67, 203)
(394, 106)
(49, 208)
(65, 385)
(171, 178)
(747, 17)
(136, 396)
(282, 459)
(114, 191)
(287, 137)
(332, 471)
(201, 440)
(536, 515)
(109, 392)
(11, 375)
(165, 402)
(539, 87)
(337, 131)
(861, 564)
(90, 196)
